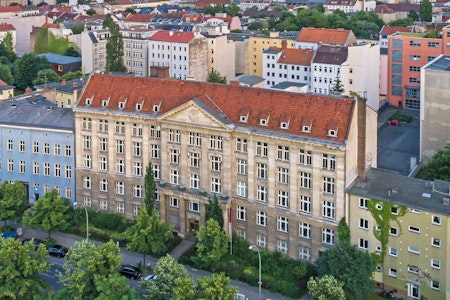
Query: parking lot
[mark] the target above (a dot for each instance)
(398, 144)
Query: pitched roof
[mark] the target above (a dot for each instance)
(390, 8)
(296, 57)
(172, 36)
(192, 18)
(331, 55)
(394, 29)
(203, 3)
(138, 18)
(324, 35)
(6, 27)
(225, 101)
(10, 8)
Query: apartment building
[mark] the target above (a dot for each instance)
(135, 49)
(64, 93)
(241, 42)
(37, 146)
(312, 38)
(221, 55)
(281, 161)
(257, 45)
(407, 53)
(434, 99)
(349, 6)
(405, 222)
(93, 50)
(283, 64)
(182, 52)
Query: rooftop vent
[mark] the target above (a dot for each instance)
(445, 201)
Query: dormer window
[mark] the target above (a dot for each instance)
(155, 108)
(332, 133)
(104, 103)
(243, 119)
(306, 128)
(138, 106)
(88, 101)
(284, 125)
(121, 105)
(263, 122)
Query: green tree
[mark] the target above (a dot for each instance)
(438, 167)
(19, 272)
(46, 76)
(168, 271)
(77, 29)
(148, 235)
(425, 11)
(343, 232)
(90, 272)
(326, 287)
(213, 9)
(13, 201)
(344, 263)
(184, 289)
(131, 10)
(26, 69)
(256, 26)
(216, 287)
(149, 189)
(8, 41)
(50, 213)
(212, 247)
(402, 22)
(337, 19)
(412, 14)
(91, 12)
(432, 33)
(337, 87)
(73, 75)
(7, 56)
(5, 74)
(214, 211)
(215, 76)
(114, 46)
(71, 51)
(233, 10)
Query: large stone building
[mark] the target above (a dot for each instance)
(280, 160)
(434, 107)
(406, 222)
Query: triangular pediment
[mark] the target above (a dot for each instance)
(196, 113)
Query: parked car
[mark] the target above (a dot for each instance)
(394, 122)
(10, 234)
(36, 242)
(57, 250)
(130, 271)
(150, 277)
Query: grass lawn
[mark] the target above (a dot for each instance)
(400, 117)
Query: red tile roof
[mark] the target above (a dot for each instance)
(203, 3)
(227, 101)
(296, 57)
(324, 35)
(390, 8)
(6, 27)
(138, 18)
(393, 29)
(192, 18)
(172, 36)
(10, 9)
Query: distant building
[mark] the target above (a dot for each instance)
(349, 6)
(7, 91)
(221, 55)
(38, 146)
(64, 93)
(312, 38)
(8, 28)
(93, 51)
(62, 64)
(135, 49)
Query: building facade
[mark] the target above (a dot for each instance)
(404, 221)
(93, 50)
(37, 146)
(281, 168)
(221, 55)
(135, 50)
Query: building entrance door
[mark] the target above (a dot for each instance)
(194, 226)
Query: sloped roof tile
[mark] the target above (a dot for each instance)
(331, 55)
(324, 35)
(172, 36)
(6, 27)
(296, 57)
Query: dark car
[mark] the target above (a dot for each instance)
(130, 272)
(36, 242)
(57, 250)
(10, 234)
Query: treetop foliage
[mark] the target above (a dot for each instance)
(438, 167)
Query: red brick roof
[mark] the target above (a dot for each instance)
(172, 36)
(393, 29)
(192, 18)
(227, 101)
(296, 57)
(10, 8)
(138, 18)
(324, 35)
(6, 27)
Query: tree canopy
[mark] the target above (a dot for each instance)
(50, 213)
(20, 269)
(344, 263)
(216, 286)
(114, 46)
(46, 76)
(438, 167)
(215, 76)
(425, 11)
(26, 69)
(326, 287)
(5, 74)
(13, 201)
(214, 211)
(149, 189)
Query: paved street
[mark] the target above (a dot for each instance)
(250, 292)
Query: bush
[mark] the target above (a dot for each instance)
(50, 242)
(109, 221)
(401, 118)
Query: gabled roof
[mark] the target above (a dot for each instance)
(296, 57)
(192, 18)
(224, 100)
(10, 9)
(138, 18)
(387, 30)
(390, 8)
(324, 35)
(6, 27)
(172, 36)
(331, 55)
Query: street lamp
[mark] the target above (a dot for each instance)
(259, 257)
(87, 220)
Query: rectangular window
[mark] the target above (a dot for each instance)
(174, 202)
(261, 193)
(120, 166)
(35, 147)
(87, 161)
(262, 149)
(104, 204)
(216, 163)
(435, 285)
(194, 206)
(328, 185)
(36, 168)
(174, 176)
(120, 188)
(120, 207)
(241, 213)
(414, 57)
(194, 159)
(413, 269)
(414, 229)
(241, 145)
(137, 129)
(328, 209)
(305, 204)
(22, 166)
(305, 157)
(87, 142)
(137, 191)
(392, 272)
(86, 124)
(283, 198)
(414, 43)
(329, 162)
(57, 170)
(156, 171)
(87, 201)
(394, 231)
(436, 220)
(283, 153)
(10, 145)
(304, 230)
(57, 149)
(435, 242)
(103, 185)
(261, 170)
(305, 180)
(137, 148)
(261, 218)
(195, 181)
(393, 251)
(120, 127)
(216, 142)
(283, 175)
(120, 146)
(283, 246)
(328, 236)
(21, 146)
(414, 250)
(174, 136)
(363, 244)
(216, 185)
(435, 263)
(155, 151)
(103, 125)
(433, 44)
(174, 156)
(46, 148)
(241, 189)
(11, 166)
(155, 132)
(68, 151)
(195, 139)
(87, 182)
(137, 169)
(304, 253)
(261, 240)
(364, 224)
(242, 166)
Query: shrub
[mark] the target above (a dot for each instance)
(401, 118)
(109, 221)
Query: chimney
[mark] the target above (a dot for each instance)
(63, 82)
(361, 142)
(28, 90)
(284, 44)
(75, 84)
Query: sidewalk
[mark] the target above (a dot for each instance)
(134, 258)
